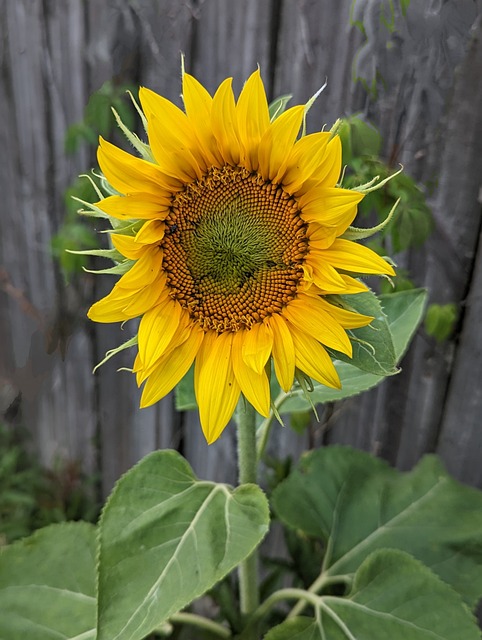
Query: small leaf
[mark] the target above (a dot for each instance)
(440, 320)
(356, 504)
(47, 585)
(165, 539)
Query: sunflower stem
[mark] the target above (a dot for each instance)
(247, 470)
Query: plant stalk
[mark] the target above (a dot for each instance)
(247, 470)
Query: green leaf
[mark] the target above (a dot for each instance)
(301, 628)
(357, 504)
(393, 596)
(184, 395)
(373, 348)
(404, 311)
(165, 539)
(47, 585)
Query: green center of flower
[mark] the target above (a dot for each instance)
(234, 249)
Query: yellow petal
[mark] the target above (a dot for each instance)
(283, 352)
(156, 330)
(128, 174)
(322, 168)
(128, 246)
(254, 386)
(347, 319)
(306, 155)
(198, 104)
(145, 270)
(350, 256)
(139, 206)
(312, 359)
(312, 318)
(151, 232)
(224, 123)
(331, 206)
(144, 299)
(277, 142)
(181, 335)
(256, 346)
(321, 237)
(111, 307)
(171, 137)
(172, 368)
(351, 285)
(217, 390)
(252, 115)
(322, 274)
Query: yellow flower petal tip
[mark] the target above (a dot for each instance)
(232, 239)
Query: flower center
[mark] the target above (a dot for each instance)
(233, 249)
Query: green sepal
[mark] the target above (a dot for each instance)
(112, 254)
(356, 233)
(278, 106)
(374, 185)
(143, 149)
(118, 269)
(112, 352)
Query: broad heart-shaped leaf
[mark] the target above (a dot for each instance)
(47, 585)
(393, 597)
(404, 311)
(357, 504)
(165, 539)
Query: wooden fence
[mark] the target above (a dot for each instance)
(55, 53)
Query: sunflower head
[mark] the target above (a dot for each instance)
(231, 226)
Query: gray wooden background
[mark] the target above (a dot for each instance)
(55, 53)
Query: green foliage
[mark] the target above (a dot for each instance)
(74, 234)
(355, 505)
(165, 538)
(47, 585)
(31, 496)
(393, 596)
(413, 222)
(386, 554)
(98, 116)
(440, 320)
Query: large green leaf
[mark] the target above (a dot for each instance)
(165, 539)
(393, 597)
(404, 311)
(357, 504)
(47, 585)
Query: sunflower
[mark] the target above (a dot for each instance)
(232, 232)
